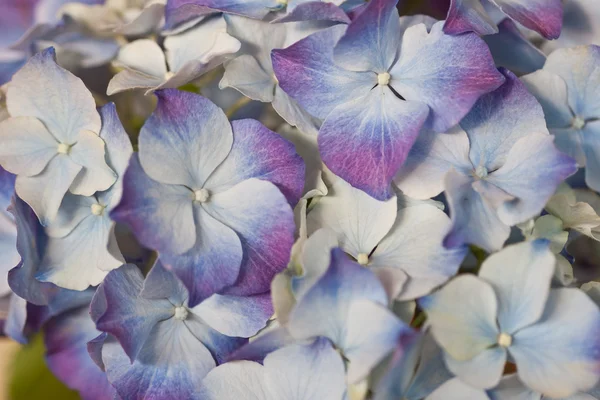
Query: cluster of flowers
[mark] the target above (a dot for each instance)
(413, 225)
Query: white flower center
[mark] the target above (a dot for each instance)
(201, 195)
(63, 148)
(481, 172)
(578, 122)
(383, 79)
(504, 340)
(363, 259)
(181, 313)
(97, 209)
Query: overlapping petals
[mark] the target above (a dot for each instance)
(182, 196)
(359, 77)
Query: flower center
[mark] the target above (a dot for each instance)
(578, 122)
(504, 340)
(97, 209)
(201, 195)
(181, 313)
(363, 259)
(481, 172)
(169, 75)
(383, 79)
(63, 148)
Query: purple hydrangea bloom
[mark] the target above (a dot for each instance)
(182, 196)
(375, 89)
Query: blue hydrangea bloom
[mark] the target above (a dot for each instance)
(509, 310)
(158, 346)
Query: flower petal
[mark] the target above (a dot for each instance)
(455, 389)
(96, 175)
(307, 72)
(239, 316)
(144, 56)
(542, 16)
(264, 221)
(372, 40)
(365, 141)
(448, 73)
(464, 326)
(59, 99)
(160, 215)
(359, 221)
(45, 191)
(533, 170)
(80, 259)
(66, 338)
(483, 371)
(260, 153)
(324, 309)
(474, 220)
(130, 318)
(414, 245)
(520, 275)
(184, 140)
(499, 119)
(373, 332)
(552, 357)
(27, 146)
(591, 148)
(468, 16)
(212, 264)
(432, 156)
(551, 91)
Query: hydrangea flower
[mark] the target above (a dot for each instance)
(542, 16)
(550, 334)
(567, 89)
(295, 372)
(577, 210)
(182, 196)
(51, 141)
(376, 98)
(188, 55)
(498, 167)
(581, 25)
(157, 345)
(83, 229)
(338, 299)
(252, 73)
(400, 239)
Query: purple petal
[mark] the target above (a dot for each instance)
(260, 153)
(448, 73)
(160, 215)
(499, 119)
(66, 340)
(511, 49)
(184, 140)
(365, 141)
(542, 16)
(212, 264)
(468, 16)
(474, 220)
(372, 40)
(264, 221)
(179, 11)
(307, 72)
(323, 311)
(128, 317)
(314, 11)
